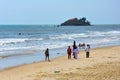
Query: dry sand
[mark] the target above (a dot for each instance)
(103, 64)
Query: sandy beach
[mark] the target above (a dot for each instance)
(103, 64)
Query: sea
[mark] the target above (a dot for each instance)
(25, 44)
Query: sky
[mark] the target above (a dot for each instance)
(58, 11)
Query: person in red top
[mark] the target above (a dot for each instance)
(69, 51)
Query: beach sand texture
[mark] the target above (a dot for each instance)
(103, 64)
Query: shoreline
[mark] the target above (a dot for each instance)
(32, 52)
(83, 51)
(102, 55)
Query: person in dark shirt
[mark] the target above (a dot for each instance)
(47, 55)
(74, 48)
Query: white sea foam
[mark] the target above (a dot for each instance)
(58, 40)
(68, 36)
(11, 40)
(103, 33)
(84, 35)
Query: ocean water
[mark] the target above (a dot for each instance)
(32, 40)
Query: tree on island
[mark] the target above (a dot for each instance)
(76, 22)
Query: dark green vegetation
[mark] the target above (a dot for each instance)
(76, 22)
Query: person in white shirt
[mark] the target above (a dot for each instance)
(87, 50)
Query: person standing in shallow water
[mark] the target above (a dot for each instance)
(87, 50)
(69, 51)
(47, 55)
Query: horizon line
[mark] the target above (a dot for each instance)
(59, 24)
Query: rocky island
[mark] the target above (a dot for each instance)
(76, 22)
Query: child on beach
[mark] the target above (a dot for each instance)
(47, 54)
(69, 51)
(87, 50)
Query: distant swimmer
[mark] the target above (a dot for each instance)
(19, 33)
(58, 25)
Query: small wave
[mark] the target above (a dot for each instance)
(65, 36)
(13, 48)
(33, 39)
(102, 33)
(52, 45)
(14, 41)
(81, 35)
(103, 40)
(39, 45)
(11, 41)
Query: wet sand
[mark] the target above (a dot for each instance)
(25, 53)
(103, 64)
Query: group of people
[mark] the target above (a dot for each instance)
(69, 51)
(76, 51)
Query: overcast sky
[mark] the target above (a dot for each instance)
(57, 11)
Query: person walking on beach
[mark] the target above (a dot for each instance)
(74, 46)
(47, 54)
(87, 50)
(75, 50)
(69, 51)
